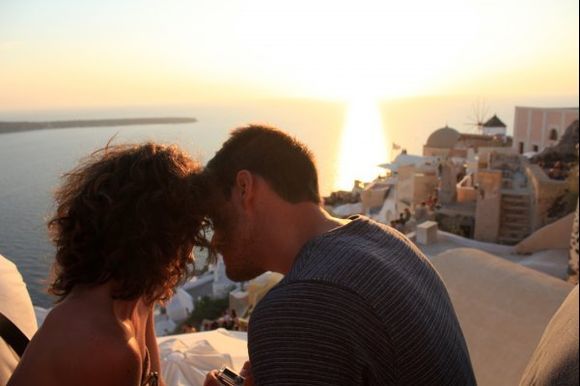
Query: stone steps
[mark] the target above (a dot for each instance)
(515, 203)
(515, 226)
(514, 200)
(515, 218)
(515, 212)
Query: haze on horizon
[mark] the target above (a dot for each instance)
(64, 53)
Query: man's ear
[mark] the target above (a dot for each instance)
(245, 186)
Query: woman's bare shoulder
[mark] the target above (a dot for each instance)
(81, 350)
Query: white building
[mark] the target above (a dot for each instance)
(494, 126)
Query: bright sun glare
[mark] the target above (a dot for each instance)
(363, 144)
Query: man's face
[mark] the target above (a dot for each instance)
(235, 238)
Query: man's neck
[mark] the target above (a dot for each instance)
(320, 222)
(296, 225)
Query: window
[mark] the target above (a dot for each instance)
(535, 148)
(521, 148)
(553, 135)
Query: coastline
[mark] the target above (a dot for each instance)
(21, 126)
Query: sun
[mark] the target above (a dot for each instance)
(363, 144)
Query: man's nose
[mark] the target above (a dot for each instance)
(215, 240)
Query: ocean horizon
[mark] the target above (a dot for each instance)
(31, 162)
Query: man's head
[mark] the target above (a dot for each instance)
(253, 165)
(286, 164)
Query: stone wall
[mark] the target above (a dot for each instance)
(466, 194)
(573, 262)
(436, 152)
(545, 191)
(485, 153)
(413, 187)
(488, 210)
(466, 191)
(424, 186)
(553, 236)
(405, 184)
(448, 172)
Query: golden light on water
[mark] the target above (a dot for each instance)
(363, 144)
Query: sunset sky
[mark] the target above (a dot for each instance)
(63, 53)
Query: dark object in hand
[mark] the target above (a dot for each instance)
(229, 377)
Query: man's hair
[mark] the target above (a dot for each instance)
(128, 214)
(286, 164)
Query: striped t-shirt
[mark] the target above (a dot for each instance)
(360, 306)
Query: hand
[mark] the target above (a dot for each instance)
(246, 372)
(211, 378)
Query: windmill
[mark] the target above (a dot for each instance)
(479, 115)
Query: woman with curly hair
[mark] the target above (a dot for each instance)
(126, 222)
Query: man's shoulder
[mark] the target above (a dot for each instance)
(378, 264)
(322, 307)
(354, 252)
(362, 236)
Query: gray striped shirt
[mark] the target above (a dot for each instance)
(360, 306)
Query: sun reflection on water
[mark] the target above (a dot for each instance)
(363, 144)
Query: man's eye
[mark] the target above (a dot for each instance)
(216, 221)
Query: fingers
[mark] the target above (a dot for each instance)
(246, 369)
(246, 372)
(211, 379)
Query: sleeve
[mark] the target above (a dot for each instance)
(306, 333)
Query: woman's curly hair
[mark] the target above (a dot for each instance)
(130, 214)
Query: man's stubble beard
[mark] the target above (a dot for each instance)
(245, 267)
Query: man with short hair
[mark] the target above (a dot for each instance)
(359, 303)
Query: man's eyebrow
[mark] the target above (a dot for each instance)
(215, 216)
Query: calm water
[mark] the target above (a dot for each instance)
(31, 162)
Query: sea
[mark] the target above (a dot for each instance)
(32, 162)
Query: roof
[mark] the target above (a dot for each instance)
(444, 138)
(503, 309)
(408, 159)
(466, 136)
(494, 122)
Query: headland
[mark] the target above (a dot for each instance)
(20, 126)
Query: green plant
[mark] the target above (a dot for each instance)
(206, 308)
